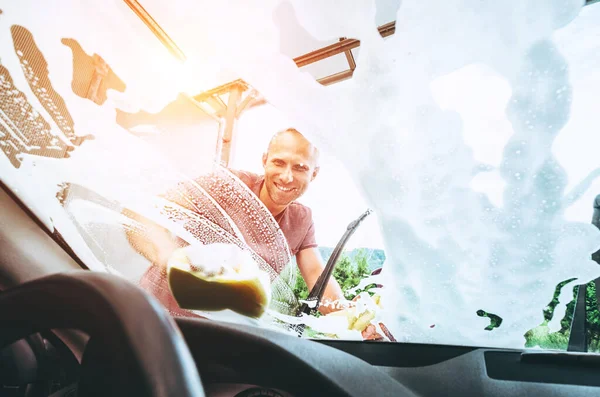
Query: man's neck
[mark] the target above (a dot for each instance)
(273, 208)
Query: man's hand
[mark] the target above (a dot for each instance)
(365, 320)
(154, 242)
(311, 266)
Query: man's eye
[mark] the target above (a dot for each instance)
(301, 168)
(278, 162)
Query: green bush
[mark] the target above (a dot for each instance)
(348, 273)
(541, 335)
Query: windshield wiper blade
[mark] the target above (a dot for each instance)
(316, 294)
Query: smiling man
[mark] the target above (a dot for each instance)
(290, 164)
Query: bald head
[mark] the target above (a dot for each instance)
(291, 137)
(291, 163)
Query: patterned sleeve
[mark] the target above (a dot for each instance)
(247, 177)
(182, 193)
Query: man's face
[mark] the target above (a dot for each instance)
(290, 166)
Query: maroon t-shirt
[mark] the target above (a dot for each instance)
(295, 221)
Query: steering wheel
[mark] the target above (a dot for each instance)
(135, 348)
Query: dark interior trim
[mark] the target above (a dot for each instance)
(54, 235)
(399, 354)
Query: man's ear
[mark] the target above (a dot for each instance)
(264, 160)
(315, 173)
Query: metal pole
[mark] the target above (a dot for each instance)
(219, 148)
(100, 72)
(345, 45)
(578, 334)
(155, 28)
(349, 57)
(250, 97)
(201, 107)
(230, 124)
(336, 78)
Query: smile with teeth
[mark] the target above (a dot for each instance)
(284, 189)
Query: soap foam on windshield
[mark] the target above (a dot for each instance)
(451, 250)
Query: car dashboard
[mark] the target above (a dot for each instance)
(243, 361)
(242, 390)
(239, 357)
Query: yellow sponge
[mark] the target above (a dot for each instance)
(217, 277)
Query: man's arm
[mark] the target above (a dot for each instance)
(154, 242)
(311, 266)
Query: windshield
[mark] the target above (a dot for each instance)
(416, 172)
